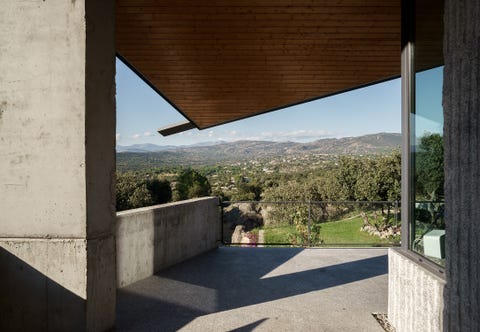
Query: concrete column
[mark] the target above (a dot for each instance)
(57, 162)
(461, 98)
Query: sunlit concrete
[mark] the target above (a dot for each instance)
(261, 289)
(152, 238)
(57, 165)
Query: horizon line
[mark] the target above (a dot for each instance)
(226, 141)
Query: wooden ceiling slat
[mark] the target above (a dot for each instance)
(251, 3)
(219, 61)
(390, 43)
(277, 5)
(251, 50)
(286, 70)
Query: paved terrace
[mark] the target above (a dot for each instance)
(261, 289)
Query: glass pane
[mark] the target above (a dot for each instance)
(429, 224)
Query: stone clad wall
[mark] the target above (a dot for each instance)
(415, 295)
(150, 239)
(461, 104)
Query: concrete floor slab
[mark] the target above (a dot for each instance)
(261, 289)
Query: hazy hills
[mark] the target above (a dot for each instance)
(150, 155)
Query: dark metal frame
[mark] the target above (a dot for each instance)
(408, 105)
(176, 128)
(408, 158)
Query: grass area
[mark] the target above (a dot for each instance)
(348, 232)
(344, 232)
(278, 234)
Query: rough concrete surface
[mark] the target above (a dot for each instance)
(415, 297)
(261, 289)
(42, 149)
(57, 164)
(152, 238)
(43, 284)
(461, 102)
(101, 285)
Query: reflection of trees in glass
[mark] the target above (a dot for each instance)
(429, 178)
(429, 167)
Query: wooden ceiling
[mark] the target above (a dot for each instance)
(223, 60)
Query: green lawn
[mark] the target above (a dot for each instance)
(344, 233)
(279, 234)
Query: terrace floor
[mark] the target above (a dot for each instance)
(261, 289)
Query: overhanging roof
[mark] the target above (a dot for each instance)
(219, 61)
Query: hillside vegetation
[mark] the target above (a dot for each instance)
(363, 168)
(141, 157)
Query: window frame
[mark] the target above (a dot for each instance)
(408, 107)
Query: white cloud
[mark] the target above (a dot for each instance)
(117, 136)
(135, 136)
(211, 133)
(147, 134)
(301, 135)
(269, 134)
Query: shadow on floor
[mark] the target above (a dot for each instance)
(230, 278)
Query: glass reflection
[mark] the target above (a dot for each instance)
(427, 154)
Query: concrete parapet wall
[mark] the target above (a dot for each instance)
(415, 295)
(153, 238)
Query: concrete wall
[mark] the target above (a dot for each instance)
(57, 161)
(415, 295)
(150, 239)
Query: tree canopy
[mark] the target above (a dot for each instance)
(429, 171)
(191, 184)
(133, 191)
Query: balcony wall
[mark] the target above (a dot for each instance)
(153, 238)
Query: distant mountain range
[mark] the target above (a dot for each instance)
(148, 147)
(211, 153)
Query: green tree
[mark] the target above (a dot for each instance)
(429, 167)
(379, 179)
(125, 186)
(292, 191)
(191, 184)
(307, 231)
(389, 177)
(140, 197)
(133, 191)
(160, 190)
(367, 187)
(342, 182)
(246, 190)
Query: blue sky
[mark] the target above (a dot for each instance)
(428, 94)
(141, 111)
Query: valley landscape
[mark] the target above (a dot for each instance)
(365, 168)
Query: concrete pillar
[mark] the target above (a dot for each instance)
(57, 162)
(462, 164)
